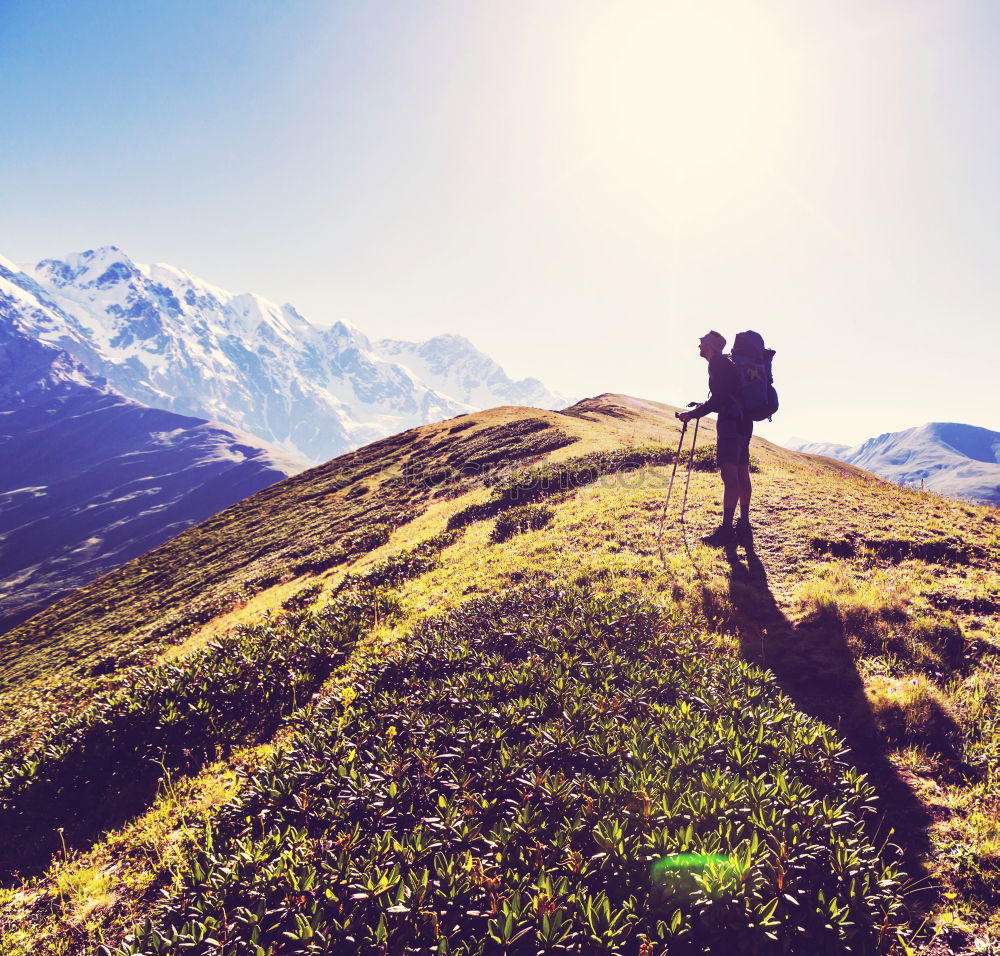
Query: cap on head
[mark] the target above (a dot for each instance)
(714, 340)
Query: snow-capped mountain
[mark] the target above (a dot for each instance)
(90, 479)
(962, 461)
(452, 365)
(166, 338)
(828, 448)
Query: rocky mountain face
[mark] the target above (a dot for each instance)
(90, 479)
(962, 461)
(168, 339)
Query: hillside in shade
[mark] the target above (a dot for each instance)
(961, 461)
(442, 694)
(90, 479)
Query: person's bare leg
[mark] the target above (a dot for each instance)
(742, 529)
(745, 489)
(723, 535)
(730, 494)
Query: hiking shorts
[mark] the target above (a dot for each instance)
(732, 449)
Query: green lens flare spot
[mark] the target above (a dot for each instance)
(689, 862)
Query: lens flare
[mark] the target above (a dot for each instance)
(688, 863)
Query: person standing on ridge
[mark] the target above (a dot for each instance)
(733, 430)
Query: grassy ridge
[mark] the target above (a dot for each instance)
(873, 608)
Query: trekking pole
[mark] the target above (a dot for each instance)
(670, 488)
(687, 483)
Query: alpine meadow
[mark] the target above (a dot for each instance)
(442, 695)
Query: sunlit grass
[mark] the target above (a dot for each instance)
(912, 710)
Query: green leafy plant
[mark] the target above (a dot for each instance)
(703, 458)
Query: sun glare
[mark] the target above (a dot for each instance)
(684, 97)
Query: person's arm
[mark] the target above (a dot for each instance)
(722, 386)
(715, 403)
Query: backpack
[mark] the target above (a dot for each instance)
(756, 396)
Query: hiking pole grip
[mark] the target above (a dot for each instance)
(689, 405)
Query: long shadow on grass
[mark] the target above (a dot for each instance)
(814, 666)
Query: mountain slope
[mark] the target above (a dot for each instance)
(962, 461)
(166, 338)
(443, 689)
(89, 479)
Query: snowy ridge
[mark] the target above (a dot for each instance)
(166, 338)
(452, 365)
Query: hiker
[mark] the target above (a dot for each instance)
(733, 430)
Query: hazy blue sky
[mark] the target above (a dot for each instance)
(582, 188)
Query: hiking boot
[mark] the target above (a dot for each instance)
(742, 530)
(720, 537)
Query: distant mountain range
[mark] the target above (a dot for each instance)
(170, 340)
(962, 461)
(90, 479)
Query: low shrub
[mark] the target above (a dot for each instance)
(407, 564)
(260, 580)
(303, 597)
(322, 559)
(555, 477)
(443, 466)
(472, 513)
(704, 459)
(365, 539)
(518, 520)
